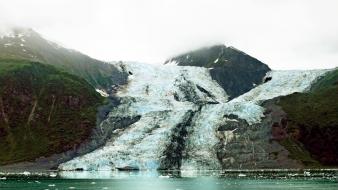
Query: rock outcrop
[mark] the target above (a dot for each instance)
(235, 71)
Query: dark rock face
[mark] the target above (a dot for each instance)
(236, 81)
(244, 146)
(279, 131)
(288, 139)
(128, 168)
(267, 79)
(235, 71)
(321, 143)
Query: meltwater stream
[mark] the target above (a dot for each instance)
(180, 111)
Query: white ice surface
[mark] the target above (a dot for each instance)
(150, 93)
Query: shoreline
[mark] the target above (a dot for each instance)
(231, 173)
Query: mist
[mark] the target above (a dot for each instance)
(285, 34)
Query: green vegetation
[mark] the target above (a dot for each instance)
(313, 118)
(298, 152)
(31, 46)
(43, 110)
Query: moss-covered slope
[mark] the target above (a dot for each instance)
(43, 111)
(312, 120)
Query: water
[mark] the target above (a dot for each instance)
(172, 181)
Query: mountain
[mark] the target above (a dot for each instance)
(185, 121)
(26, 44)
(235, 71)
(49, 104)
(213, 108)
(304, 123)
(43, 111)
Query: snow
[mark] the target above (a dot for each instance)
(102, 92)
(26, 173)
(8, 44)
(163, 95)
(9, 34)
(216, 60)
(161, 82)
(282, 83)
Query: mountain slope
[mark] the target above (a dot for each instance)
(234, 70)
(26, 44)
(312, 119)
(43, 111)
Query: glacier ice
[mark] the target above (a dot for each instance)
(163, 95)
(151, 93)
(201, 153)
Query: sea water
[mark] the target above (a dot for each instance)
(184, 180)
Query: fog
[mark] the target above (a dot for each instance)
(285, 34)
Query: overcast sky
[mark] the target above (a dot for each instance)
(285, 34)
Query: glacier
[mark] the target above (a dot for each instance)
(202, 143)
(181, 108)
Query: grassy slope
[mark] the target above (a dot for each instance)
(36, 48)
(42, 110)
(313, 120)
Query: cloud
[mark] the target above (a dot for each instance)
(286, 34)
